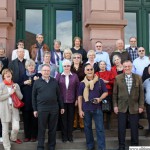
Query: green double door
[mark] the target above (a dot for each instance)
(56, 19)
(137, 13)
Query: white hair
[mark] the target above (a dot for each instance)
(66, 61)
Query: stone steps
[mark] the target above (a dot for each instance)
(79, 138)
(79, 144)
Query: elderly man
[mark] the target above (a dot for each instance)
(132, 49)
(56, 53)
(128, 101)
(101, 55)
(18, 66)
(46, 102)
(37, 50)
(20, 44)
(91, 92)
(141, 62)
(124, 55)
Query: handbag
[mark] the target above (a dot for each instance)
(17, 103)
(106, 105)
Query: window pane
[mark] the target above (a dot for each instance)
(64, 27)
(33, 25)
(130, 29)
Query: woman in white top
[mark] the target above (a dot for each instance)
(7, 111)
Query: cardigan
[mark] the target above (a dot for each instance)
(71, 94)
(5, 111)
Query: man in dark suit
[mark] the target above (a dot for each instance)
(18, 66)
(128, 100)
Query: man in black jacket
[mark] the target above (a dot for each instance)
(46, 103)
(18, 66)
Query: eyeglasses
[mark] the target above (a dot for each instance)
(66, 66)
(132, 41)
(89, 69)
(76, 57)
(46, 70)
(98, 46)
(142, 50)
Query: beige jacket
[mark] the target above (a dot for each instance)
(5, 111)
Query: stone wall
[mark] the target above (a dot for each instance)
(7, 25)
(103, 20)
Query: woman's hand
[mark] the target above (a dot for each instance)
(12, 91)
(35, 78)
(27, 82)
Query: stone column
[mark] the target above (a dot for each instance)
(7, 25)
(103, 20)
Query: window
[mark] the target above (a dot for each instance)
(33, 25)
(130, 29)
(64, 27)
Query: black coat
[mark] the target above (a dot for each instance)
(14, 66)
(27, 93)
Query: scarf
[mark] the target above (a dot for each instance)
(39, 46)
(88, 85)
(8, 83)
(30, 75)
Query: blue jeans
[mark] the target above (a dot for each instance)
(97, 115)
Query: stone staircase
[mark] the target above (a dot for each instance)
(79, 139)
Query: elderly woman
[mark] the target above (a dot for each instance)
(91, 56)
(8, 113)
(78, 48)
(68, 83)
(30, 122)
(47, 60)
(118, 67)
(66, 55)
(3, 58)
(108, 79)
(77, 68)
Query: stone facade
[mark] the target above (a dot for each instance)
(7, 25)
(102, 20)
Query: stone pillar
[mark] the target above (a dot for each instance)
(103, 20)
(8, 25)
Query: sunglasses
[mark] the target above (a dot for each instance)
(76, 57)
(98, 46)
(89, 69)
(141, 50)
(66, 66)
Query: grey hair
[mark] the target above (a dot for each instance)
(101, 61)
(66, 61)
(29, 62)
(75, 54)
(37, 35)
(57, 41)
(113, 59)
(45, 65)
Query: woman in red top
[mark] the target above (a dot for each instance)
(108, 78)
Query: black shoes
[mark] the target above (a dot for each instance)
(140, 126)
(70, 140)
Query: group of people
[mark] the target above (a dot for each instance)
(66, 88)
